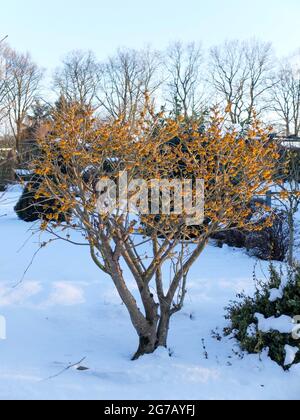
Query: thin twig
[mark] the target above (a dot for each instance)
(66, 239)
(65, 370)
(3, 39)
(30, 264)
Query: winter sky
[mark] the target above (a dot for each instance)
(51, 29)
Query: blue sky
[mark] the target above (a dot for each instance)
(50, 29)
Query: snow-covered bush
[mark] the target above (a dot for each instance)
(269, 319)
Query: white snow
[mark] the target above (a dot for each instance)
(276, 294)
(291, 144)
(2, 328)
(66, 310)
(23, 172)
(65, 294)
(252, 331)
(284, 324)
(291, 353)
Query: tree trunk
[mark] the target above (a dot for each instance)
(163, 329)
(148, 344)
(291, 238)
(18, 137)
(288, 131)
(156, 337)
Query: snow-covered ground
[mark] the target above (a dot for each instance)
(65, 310)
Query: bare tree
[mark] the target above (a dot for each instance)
(128, 77)
(79, 78)
(288, 195)
(184, 66)
(2, 86)
(285, 98)
(22, 88)
(3, 81)
(240, 75)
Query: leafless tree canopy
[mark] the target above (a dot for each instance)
(22, 88)
(79, 78)
(285, 97)
(184, 67)
(3, 81)
(240, 75)
(127, 77)
(288, 196)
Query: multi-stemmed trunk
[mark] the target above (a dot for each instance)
(151, 325)
(153, 322)
(157, 335)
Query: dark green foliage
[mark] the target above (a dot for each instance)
(241, 315)
(30, 209)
